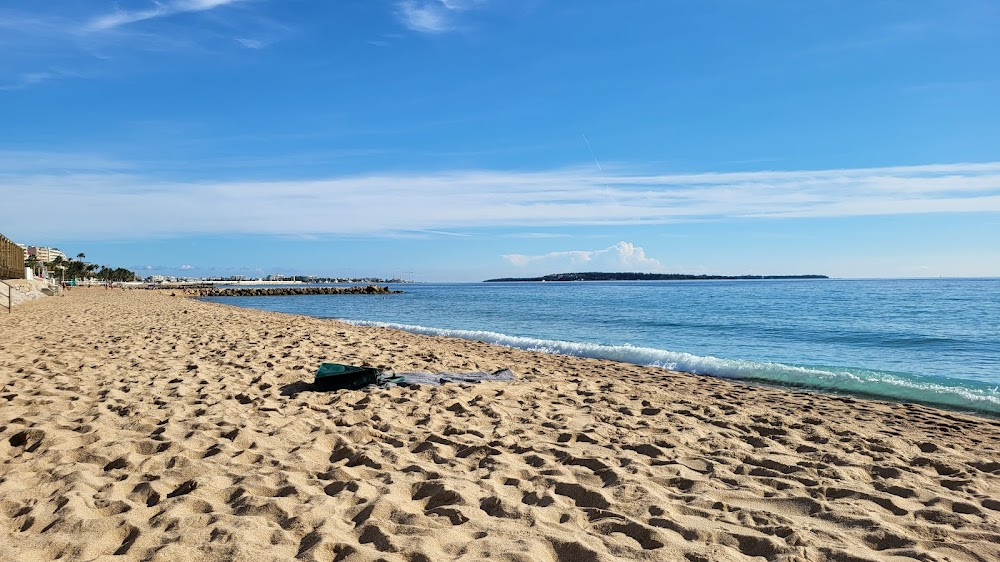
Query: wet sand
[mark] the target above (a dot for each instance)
(139, 426)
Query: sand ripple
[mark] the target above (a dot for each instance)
(137, 426)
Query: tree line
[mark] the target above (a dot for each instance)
(77, 268)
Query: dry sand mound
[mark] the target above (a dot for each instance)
(136, 426)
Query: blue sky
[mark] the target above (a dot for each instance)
(465, 139)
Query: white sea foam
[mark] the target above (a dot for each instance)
(875, 383)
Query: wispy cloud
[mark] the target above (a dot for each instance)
(623, 256)
(26, 80)
(444, 233)
(433, 16)
(874, 40)
(45, 44)
(251, 43)
(156, 10)
(120, 203)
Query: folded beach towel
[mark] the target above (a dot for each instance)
(441, 378)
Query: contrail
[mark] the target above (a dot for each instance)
(592, 154)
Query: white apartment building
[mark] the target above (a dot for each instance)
(45, 254)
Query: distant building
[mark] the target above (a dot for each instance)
(45, 254)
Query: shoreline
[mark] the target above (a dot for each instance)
(969, 408)
(166, 428)
(780, 385)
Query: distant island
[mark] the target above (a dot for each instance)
(595, 276)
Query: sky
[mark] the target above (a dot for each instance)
(459, 140)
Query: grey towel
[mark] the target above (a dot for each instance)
(441, 378)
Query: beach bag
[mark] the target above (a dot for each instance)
(334, 376)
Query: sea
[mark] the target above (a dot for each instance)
(930, 341)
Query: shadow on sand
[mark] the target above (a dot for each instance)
(293, 389)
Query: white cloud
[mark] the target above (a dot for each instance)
(26, 80)
(92, 41)
(119, 202)
(251, 43)
(432, 16)
(186, 267)
(157, 10)
(623, 256)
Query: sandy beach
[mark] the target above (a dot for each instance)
(139, 426)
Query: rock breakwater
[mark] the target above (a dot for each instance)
(289, 291)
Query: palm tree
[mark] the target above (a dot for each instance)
(31, 262)
(58, 263)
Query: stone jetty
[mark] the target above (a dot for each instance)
(288, 291)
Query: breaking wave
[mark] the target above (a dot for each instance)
(964, 394)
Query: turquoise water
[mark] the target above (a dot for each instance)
(926, 340)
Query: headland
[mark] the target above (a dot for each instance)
(626, 276)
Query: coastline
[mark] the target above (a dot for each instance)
(855, 339)
(162, 428)
(644, 356)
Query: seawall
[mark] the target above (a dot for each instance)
(288, 291)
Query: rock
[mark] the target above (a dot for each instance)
(287, 291)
